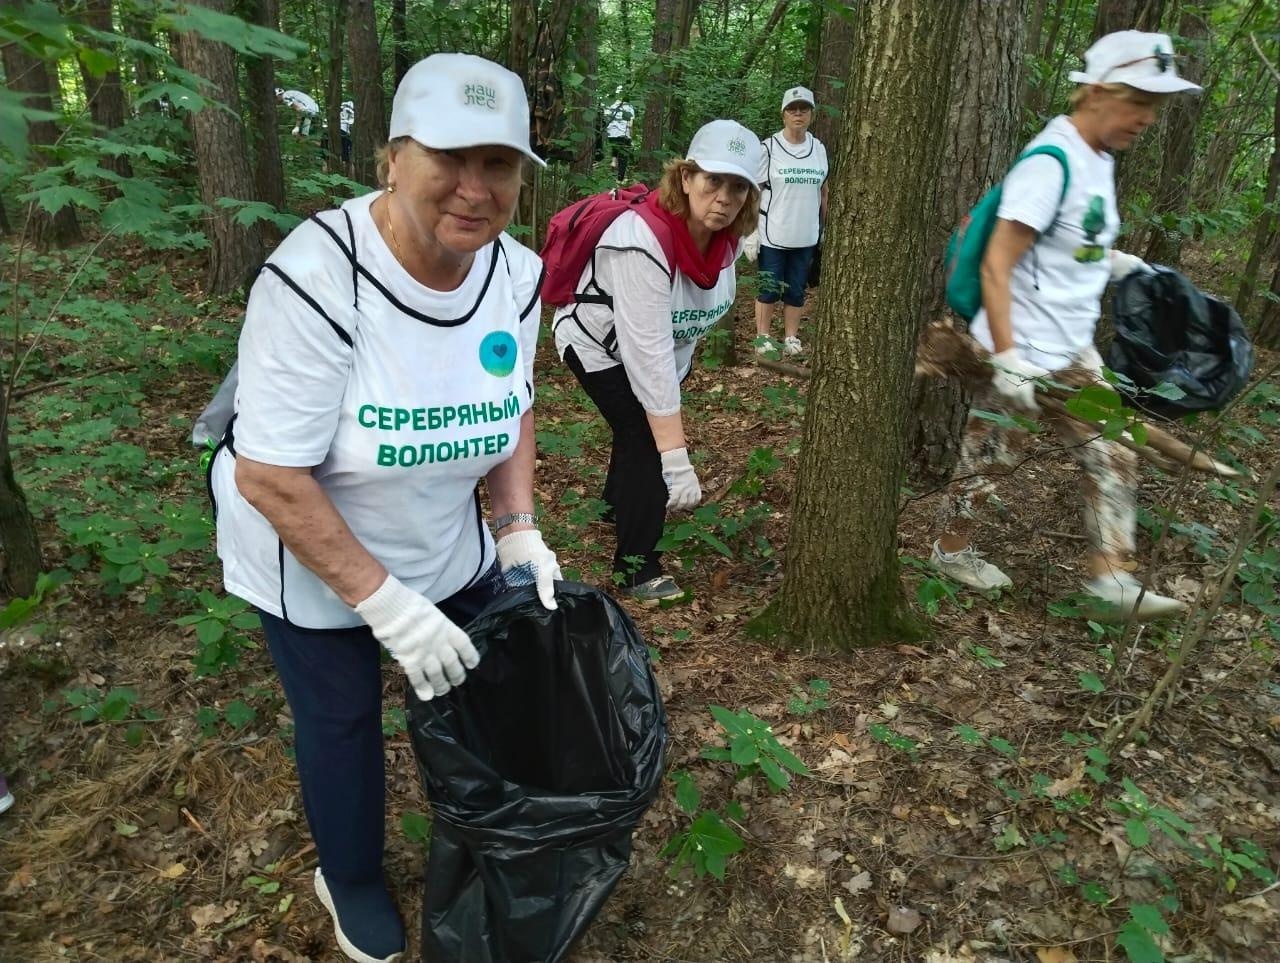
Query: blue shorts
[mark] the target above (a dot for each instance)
(784, 273)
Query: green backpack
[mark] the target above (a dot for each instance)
(968, 244)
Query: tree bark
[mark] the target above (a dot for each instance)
(333, 86)
(1264, 231)
(264, 121)
(524, 23)
(1116, 15)
(20, 561)
(399, 41)
(222, 160)
(841, 589)
(832, 75)
(1182, 119)
(587, 99)
(980, 143)
(762, 38)
(545, 89)
(655, 108)
(370, 130)
(104, 94)
(30, 77)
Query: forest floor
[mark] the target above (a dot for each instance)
(958, 808)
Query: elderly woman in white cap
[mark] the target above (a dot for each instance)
(1043, 274)
(630, 335)
(793, 178)
(386, 368)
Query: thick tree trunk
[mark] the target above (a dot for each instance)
(264, 121)
(1116, 15)
(841, 589)
(587, 98)
(31, 78)
(655, 108)
(222, 160)
(20, 561)
(1182, 119)
(524, 25)
(981, 141)
(370, 130)
(333, 87)
(546, 91)
(401, 61)
(1268, 331)
(833, 71)
(1263, 232)
(105, 95)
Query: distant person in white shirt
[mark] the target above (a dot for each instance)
(620, 118)
(793, 205)
(346, 117)
(1043, 275)
(306, 108)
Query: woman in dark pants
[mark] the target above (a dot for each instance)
(630, 334)
(386, 368)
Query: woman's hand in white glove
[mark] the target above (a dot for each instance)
(683, 490)
(1014, 379)
(433, 652)
(526, 560)
(1124, 264)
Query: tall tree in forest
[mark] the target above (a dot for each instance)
(222, 159)
(832, 71)
(842, 588)
(30, 78)
(1172, 194)
(586, 98)
(333, 93)
(1265, 230)
(524, 24)
(1116, 15)
(370, 130)
(102, 87)
(400, 59)
(264, 119)
(981, 138)
(665, 16)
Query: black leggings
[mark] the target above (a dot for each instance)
(634, 488)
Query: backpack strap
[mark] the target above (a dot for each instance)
(1058, 154)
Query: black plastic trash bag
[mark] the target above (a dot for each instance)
(1169, 330)
(538, 768)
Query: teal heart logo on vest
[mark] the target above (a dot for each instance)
(498, 353)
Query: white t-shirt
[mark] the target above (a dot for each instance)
(398, 426)
(792, 175)
(653, 324)
(1057, 286)
(620, 115)
(346, 117)
(300, 101)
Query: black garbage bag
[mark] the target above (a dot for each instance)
(1169, 330)
(538, 769)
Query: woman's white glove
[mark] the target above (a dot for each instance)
(431, 649)
(1013, 379)
(751, 246)
(1124, 264)
(526, 560)
(683, 490)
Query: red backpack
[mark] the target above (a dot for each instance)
(574, 232)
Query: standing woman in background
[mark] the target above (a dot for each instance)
(793, 206)
(630, 333)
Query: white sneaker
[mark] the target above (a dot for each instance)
(969, 568)
(792, 345)
(765, 346)
(1116, 598)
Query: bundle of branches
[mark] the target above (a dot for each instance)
(945, 351)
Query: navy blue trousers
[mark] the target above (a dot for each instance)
(332, 679)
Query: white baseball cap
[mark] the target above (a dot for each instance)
(450, 100)
(802, 94)
(1135, 59)
(726, 147)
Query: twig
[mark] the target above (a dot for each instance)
(782, 367)
(1270, 66)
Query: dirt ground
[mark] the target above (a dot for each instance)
(911, 839)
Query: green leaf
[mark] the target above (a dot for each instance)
(415, 826)
(1138, 832)
(1168, 391)
(1095, 893)
(1138, 945)
(1004, 747)
(243, 37)
(688, 796)
(970, 735)
(778, 779)
(743, 750)
(1090, 682)
(133, 735)
(210, 631)
(791, 760)
(54, 199)
(239, 714)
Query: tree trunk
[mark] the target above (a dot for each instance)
(1267, 334)
(1182, 119)
(546, 91)
(833, 71)
(1034, 31)
(524, 24)
(333, 87)
(980, 143)
(1116, 15)
(762, 38)
(1263, 232)
(399, 41)
(587, 99)
(30, 77)
(370, 130)
(264, 121)
(841, 589)
(139, 27)
(655, 107)
(222, 160)
(105, 95)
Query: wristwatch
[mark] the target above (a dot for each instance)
(513, 518)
